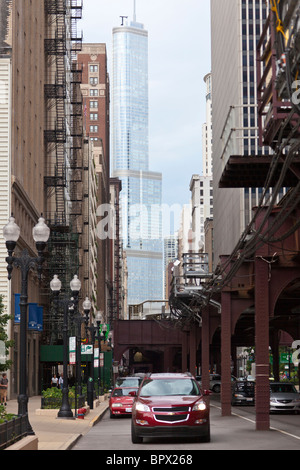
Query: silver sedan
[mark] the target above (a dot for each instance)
(284, 397)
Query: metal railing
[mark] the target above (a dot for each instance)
(12, 431)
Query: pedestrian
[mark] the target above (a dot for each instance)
(3, 388)
(61, 381)
(54, 381)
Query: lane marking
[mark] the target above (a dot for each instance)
(254, 422)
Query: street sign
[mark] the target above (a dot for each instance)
(72, 350)
(86, 349)
(285, 358)
(101, 359)
(72, 358)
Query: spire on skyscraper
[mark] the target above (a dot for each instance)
(134, 11)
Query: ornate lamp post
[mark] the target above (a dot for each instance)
(75, 286)
(97, 324)
(55, 285)
(25, 262)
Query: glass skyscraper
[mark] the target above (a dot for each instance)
(141, 195)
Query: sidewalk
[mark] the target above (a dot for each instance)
(55, 433)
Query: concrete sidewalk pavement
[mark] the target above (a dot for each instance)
(56, 433)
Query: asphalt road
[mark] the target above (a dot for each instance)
(236, 432)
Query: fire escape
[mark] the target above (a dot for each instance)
(63, 143)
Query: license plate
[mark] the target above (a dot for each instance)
(249, 399)
(128, 410)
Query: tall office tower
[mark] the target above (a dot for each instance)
(92, 59)
(141, 188)
(234, 114)
(170, 255)
(201, 188)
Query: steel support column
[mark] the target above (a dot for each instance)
(205, 349)
(262, 344)
(193, 349)
(184, 355)
(226, 354)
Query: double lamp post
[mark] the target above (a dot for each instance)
(25, 262)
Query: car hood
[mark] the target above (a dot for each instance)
(285, 396)
(169, 401)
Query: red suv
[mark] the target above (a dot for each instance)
(170, 405)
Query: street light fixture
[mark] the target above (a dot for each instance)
(11, 234)
(87, 305)
(75, 284)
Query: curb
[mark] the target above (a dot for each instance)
(72, 442)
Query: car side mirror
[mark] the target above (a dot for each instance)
(132, 394)
(207, 393)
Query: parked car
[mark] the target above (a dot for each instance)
(284, 397)
(243, 393)
(128, 381)
(215, 382)
(170, 405)
(121, 401)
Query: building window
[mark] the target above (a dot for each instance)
(94, 68)
(94, 93)
(93, 80)
(94, 116)
(93, 128)
(94, 104)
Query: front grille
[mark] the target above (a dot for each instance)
(184, 409)
(171, 418)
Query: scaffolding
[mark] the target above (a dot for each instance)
(63, 136)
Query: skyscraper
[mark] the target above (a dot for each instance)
(234, 112)
(141, 188)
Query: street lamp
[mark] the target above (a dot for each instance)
(97, 324)
(75, 286)
(55, 285)
(25, 262)
(87, 305)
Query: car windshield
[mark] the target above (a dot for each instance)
(123, 392)
(167, 387)
(240, 386)
(283, 388)
(124, 382)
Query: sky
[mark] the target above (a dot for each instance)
(179, 58)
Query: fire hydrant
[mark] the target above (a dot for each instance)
(81, 413)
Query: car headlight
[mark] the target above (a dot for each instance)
(200, 406)
(141, 407)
